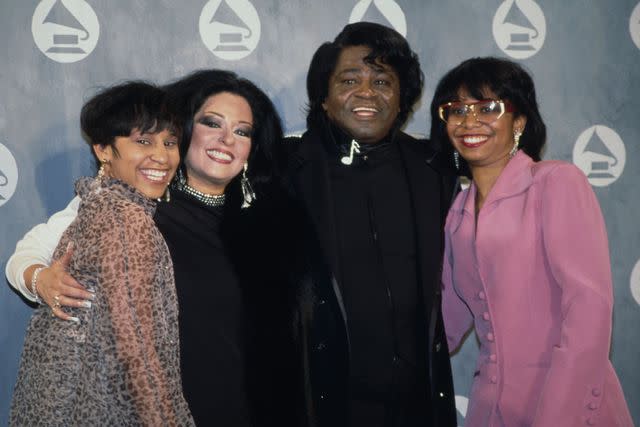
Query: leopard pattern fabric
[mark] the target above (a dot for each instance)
(120, 364)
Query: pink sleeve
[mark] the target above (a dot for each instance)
(575, 241)
(457, 316)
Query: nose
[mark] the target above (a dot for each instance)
(470, 119)
(227, 137)
(160, 153)
(366, 89)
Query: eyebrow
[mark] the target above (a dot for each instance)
(349, 70)
(376, 69)
(223, 117)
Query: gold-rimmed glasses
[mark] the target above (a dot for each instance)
(486, 111)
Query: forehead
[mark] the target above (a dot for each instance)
(351, 58)
(464, 94)
(226, 102)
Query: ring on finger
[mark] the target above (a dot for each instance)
(56, 303)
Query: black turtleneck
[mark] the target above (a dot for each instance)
(378, 278)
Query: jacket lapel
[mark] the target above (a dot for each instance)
(310, 176)
(514, 179)
(427, 201)
(430, 200)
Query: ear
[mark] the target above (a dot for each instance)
(324, 106)
(103, 152)
(519, 123)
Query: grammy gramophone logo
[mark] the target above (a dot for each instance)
(634, 282)
(600, 153)
(230, 28)
(634, 25)
(385, 12)
(519, 28)
(65, 30)
(8, 175)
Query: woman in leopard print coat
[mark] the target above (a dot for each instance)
(118, 363)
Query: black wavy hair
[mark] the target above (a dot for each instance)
(509, 81)
(117, 110)
(387, 46)
(188, 94)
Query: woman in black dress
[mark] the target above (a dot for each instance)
(236, 347)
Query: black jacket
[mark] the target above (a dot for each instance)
(322, 323)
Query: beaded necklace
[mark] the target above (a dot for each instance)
(205, 199)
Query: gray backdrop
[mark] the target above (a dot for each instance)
(584, 56)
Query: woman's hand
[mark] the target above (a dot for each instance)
(58, 289)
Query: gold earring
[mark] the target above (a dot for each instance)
(101, 172)
(516, 142)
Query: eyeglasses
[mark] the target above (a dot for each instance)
(486, 111)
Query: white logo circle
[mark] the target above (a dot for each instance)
(65, 30)
(634, 25)
(385, 12)
(230, 29)
(635, 282)
(519, 28)
(462, 403)
(601, 155)
(8, 175)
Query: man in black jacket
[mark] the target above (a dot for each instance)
(375, 349)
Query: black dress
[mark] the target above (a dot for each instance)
(212, 312)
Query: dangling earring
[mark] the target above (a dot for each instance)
(247, 192)
(102, 172)
(166, 197)
(516, 141)
(456, 159)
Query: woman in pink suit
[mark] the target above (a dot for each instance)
(526, 260)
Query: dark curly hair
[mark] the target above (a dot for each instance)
(509, 81)
(117, 110)
(387, 46)
(188, 94)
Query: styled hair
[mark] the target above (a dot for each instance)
(188, 94)
(508, 81)
(387, 46)
(117, 110)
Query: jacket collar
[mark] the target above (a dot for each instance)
(86, 185)
(515, 178)
(310, 176)
(336, 143)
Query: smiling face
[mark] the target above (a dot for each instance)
(363, 99)
(146, 161)
(220, 142)
(484, 144)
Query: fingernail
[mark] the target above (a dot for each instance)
(74, 319)
(86, 304)
(93, 294)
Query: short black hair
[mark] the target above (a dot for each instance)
(509, 81)
(118, 110)
(188, 94)
(387, 46)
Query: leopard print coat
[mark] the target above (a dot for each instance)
(120, 364)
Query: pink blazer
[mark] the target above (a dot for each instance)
(535, 282)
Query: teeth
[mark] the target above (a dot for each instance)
(370, 109)
(474, 139)
(219, 155)
(154, 174)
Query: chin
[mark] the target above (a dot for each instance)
(152, 194)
